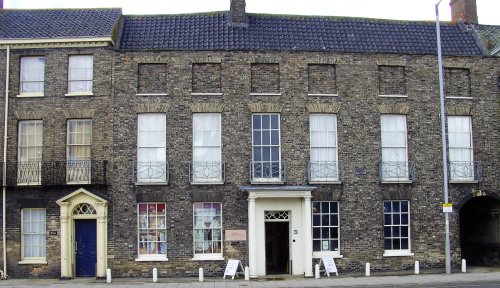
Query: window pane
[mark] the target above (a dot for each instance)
(207, 228)
(151, 225)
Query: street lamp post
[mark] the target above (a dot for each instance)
(443, 139)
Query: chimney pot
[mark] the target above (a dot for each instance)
(464, 11)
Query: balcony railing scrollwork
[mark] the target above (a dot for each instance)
(325, 171)
(267, 171)
(56, 173)
(397, 171)
(153, 172)
(465, 171)
(207, 172)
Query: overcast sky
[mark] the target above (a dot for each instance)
(488, 10)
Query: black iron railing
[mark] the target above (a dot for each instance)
(267, 171)
(55, 173)
(325, 171)
(153, 172)
(465, 171)
(397, 171)
(207, 172)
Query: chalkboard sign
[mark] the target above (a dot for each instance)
(232, 268)
(329, 265)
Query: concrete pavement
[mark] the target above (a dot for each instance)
(423, 280)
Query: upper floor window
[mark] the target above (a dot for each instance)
(33, 235)
(457, 82)
(152, 234)
(265, 79)
(152, 79)
(207, 165)
(207, 78)
(151, 148)
(80, 74)
(32, 76)
(397, 228)
(207, 232)
(266, 145)
(326, 228)
(322, 79)
(394, 164)
(323, 166)
(391, 80)
(460, 150)
(79, 158)
(30, 152)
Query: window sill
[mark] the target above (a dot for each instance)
(393, 96)
(79, 94)
(33, 261)
(78, 183)
(29, 184)
(151, 94)
(267, 181)
(465, 181)
(207, 258)
(332, 182)
(333, 254)
(395, 253)
(265, 94)
(396, 182)
(30, 95)
(151, 183)
(459, 97)
(207, 183)
(323, 94)
(163, 258)
(206, 94)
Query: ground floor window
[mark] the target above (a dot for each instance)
(207, 230)
(152, 234)
(33, 232)
(397, 227)
(325, 227)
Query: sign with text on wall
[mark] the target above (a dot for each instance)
(232, 268)
(447, 207)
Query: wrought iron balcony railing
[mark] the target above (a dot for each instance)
(150, 172)
(56, 173)
(396, 171)
(267, 171)
(465, 171)
(325, 171)
(209, 172)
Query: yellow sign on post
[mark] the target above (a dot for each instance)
(447, 207)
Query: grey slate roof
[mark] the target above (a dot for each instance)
(210, 31)
(57, 23)
(492, 35)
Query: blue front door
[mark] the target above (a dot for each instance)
(85, 246)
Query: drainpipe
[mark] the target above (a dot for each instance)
(4, 170)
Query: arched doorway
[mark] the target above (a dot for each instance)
(480, 231)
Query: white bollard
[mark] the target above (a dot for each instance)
(367, 270)
(200, 275)
(155, 275)
(417, 267)
(247, 273)
(316, 271)
(464, 266)
(108, 275)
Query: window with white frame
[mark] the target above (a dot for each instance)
(30, 152)
(151, 148)
(397, 227)
(460, 148)
(207, 165)
(323, 166)
(79, 158)
(394, 165)
(33, 233)
(80, 74)
(266, 145)
(152, 231)
(32, 76)
(325, 227)
(207, 218)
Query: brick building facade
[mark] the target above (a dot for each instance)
(233, 143)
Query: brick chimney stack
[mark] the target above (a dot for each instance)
(238, 15)
(464, 11)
